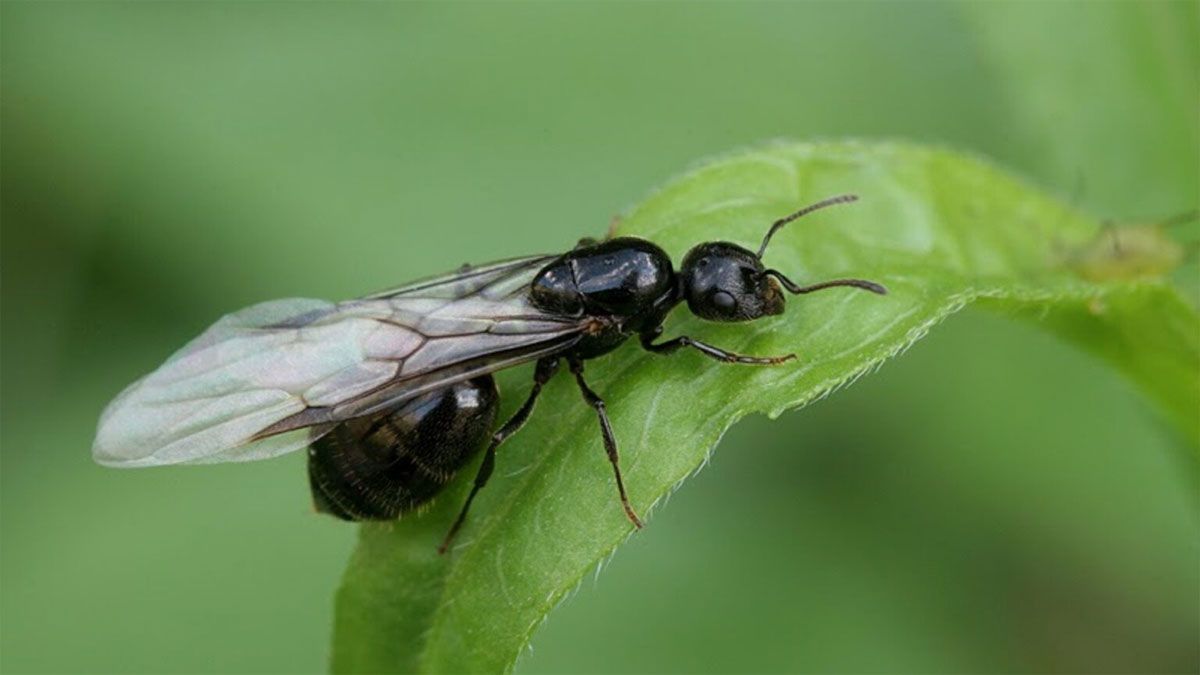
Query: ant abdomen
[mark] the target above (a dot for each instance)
(379, 467)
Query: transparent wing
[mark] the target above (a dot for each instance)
(496, 279)
(269, 379)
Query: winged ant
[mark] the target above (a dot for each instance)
(393, 393)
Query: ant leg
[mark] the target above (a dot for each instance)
(610, 440)
(647, 340)
(612, 226)
(608, 234)
(545, 370)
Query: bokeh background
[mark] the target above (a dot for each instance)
(992, 501)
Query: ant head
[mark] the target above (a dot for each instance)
(725, 282)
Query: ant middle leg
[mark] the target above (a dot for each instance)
(610, 439)
(674, 344)
(546, 368)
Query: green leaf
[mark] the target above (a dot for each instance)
(940, 229)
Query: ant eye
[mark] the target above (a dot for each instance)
(723, 300)
(703, 262)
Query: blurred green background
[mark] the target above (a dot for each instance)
(992, 501)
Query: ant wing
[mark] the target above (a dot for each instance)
(497, 279)
(271, 378)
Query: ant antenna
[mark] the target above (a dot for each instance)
(796, 289)
(840, 199)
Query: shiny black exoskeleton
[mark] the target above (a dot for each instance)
(627, 285)
(620, 287)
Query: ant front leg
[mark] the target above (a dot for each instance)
(545, 370)
(670, 346)
(610, 439)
